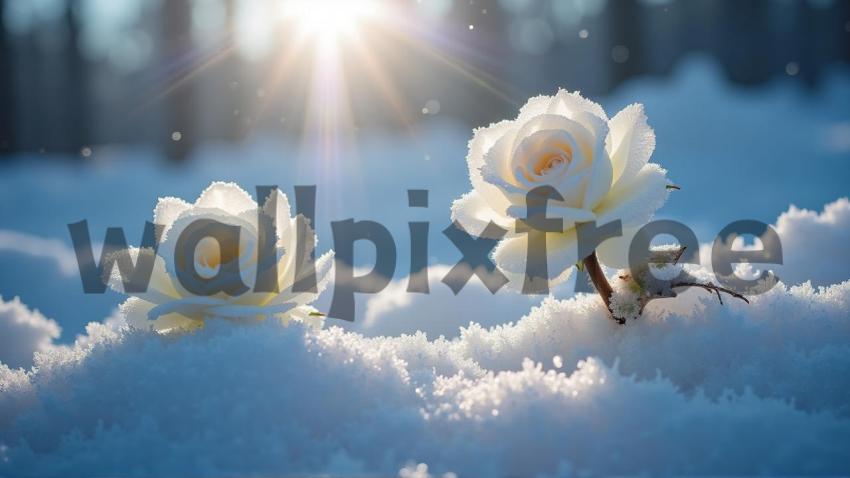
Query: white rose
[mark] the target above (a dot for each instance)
(599, 166)
(168, 306)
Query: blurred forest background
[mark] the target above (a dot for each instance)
(77, 73)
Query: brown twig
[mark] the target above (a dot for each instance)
(600, 282)
(712, 288)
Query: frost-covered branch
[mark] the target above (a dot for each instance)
(628, 298)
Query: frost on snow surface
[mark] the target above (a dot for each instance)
(691, 387)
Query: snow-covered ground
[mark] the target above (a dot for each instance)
(718, 389)
(529, 388)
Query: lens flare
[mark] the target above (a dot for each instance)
(327, 21)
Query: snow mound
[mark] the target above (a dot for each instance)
(814, 245)
(23, 332)
(692, 387)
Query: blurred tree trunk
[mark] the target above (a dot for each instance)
(77, 109)
(626, 31)
(180, 102)
(7, 95)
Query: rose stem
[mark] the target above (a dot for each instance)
(600, 282)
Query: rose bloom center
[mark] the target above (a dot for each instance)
(553, 160)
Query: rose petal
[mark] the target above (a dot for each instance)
(160, 287)
(481, 145)
(324, 268)
(635, 202)
(580, 134)
(498, 158)
(282, 212)
(530, 148)
(246, 221)
(193, 307)
(167, 210)
(569, 104)
(601, 171)
(135, 312)
(228, 197)
(614, 252)
(570, 215)
(324, 272)
(473, 213)
(535, 106)
(482, 141)
(561, 252)
(630, 142)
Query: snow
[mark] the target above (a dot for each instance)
(23, 332)
(34, 246)
(395, 311)
(814, 245)
(719, 389)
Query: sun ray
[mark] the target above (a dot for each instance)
(281, 71)
(324, 45)
(183, 70)
(385, 85)
(420, 40)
